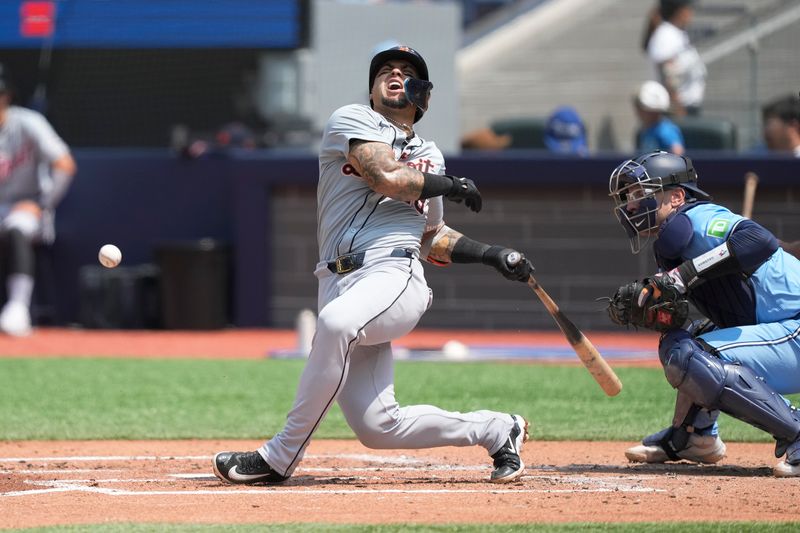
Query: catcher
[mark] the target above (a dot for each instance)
(747, 353)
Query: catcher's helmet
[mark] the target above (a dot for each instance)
(633, 186)
(405, 53)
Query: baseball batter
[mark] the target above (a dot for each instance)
(747, 354)
(36, 170)
(380, 211)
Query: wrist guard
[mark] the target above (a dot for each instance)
(467, 250)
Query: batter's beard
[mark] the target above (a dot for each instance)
(400, 102)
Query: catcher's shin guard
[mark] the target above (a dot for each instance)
(733, 389)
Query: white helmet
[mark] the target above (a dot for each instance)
(653, 96)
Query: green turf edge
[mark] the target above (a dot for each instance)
(150, 399)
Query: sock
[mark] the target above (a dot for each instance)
(20, 288)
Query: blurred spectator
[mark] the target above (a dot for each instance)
(565, 132)
(36, 170)
(781, 119)
(233, 135)
(657, 132)
(677, 64)
(485, 139)
(236, 135)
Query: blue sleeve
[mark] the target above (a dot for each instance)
(671, 135)
(674, 237)
(751, 244)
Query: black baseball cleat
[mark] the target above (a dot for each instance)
(245, 468)
(508, 465)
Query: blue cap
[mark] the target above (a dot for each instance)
(565, 132)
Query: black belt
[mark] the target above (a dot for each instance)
(349, 262)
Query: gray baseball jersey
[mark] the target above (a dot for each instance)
(27, 143)
(351, 216)
(362, 311)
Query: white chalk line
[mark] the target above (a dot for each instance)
(588, 484)
(60, 471)
(396, 459)
(280, 491)
(109, 458)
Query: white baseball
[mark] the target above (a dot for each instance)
(454, 349)
(109, 256)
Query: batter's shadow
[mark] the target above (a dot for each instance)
(676, 469)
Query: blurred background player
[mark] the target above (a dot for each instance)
(380, 210)
(676, 62)
(745, 357)
(657, 131)
(36, 169)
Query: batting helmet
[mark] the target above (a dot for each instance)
(405, 53)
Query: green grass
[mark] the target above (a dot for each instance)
(644, 527)
(173, 399)
(49, 399)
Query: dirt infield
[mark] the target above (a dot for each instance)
(60, 483)
(46, 483)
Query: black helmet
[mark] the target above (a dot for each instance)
(673, 170)
(405, 53)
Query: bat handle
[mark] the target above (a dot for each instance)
(513, 258)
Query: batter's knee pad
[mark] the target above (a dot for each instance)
(733, 389)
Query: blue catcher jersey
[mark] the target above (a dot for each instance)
(771, 293)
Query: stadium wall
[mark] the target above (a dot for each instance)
(263, 205)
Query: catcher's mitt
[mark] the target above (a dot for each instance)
(662, 306)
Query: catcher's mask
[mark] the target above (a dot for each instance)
(417, 90)
(635, 183)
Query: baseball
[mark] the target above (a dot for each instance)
(109, 256)
(454, 349)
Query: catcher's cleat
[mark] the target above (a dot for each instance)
(247, 468)
(508, 465)
(706, 449)
(784, 469)
(790, 465)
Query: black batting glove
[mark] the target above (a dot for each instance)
(510, 263)
(466, 190)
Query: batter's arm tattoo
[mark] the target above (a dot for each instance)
(442, 244)
(376, 163)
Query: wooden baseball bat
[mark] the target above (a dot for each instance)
(750, 184)
(588, 354)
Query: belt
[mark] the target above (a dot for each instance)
(350, 262)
